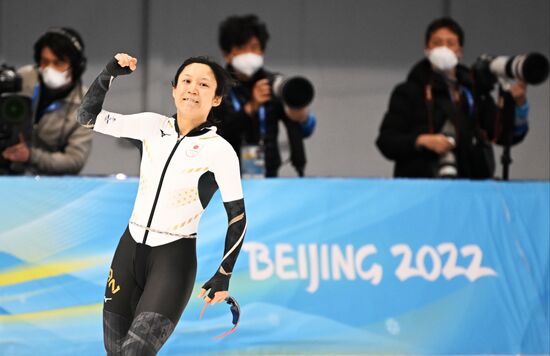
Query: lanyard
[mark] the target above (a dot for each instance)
(469, 99)
(262, 119)
(262, 116)
(235, 101)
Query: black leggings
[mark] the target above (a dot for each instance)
(147, 291)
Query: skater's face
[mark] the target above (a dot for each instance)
(195, 92)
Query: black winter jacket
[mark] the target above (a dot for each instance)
(236, 126)
(474, 117)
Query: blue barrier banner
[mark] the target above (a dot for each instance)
(329, 266)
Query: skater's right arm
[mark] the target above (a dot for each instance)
(91, 114)
(92, 102)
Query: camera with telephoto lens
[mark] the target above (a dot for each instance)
(15, 109)
(294, 92)
(531, 68)
(446, 165)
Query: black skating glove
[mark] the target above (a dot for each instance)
(114, 69)
(218, 283)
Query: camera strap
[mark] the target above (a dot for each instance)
(504, 120)
(455, 100)
(429, 106)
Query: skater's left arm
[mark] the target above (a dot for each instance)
(227, 174)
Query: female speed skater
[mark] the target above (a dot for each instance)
(184, 161)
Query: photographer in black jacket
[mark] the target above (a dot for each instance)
(252, 112)
(438, 123)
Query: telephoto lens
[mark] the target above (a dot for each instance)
(531, 68)
(295, 92)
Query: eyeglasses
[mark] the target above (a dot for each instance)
(235, 311)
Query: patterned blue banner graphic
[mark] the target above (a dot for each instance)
(329, 266)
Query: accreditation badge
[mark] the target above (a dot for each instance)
(252, 161)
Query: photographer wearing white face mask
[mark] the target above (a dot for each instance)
(437, 125)
(251, 115)
(54, 143)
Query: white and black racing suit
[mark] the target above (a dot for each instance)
(154, 266)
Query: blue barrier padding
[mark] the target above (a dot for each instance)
(329, 266)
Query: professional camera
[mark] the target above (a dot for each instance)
(15, 110)
(294, 92)
(531, 68)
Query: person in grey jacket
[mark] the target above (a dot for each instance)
(53, 143)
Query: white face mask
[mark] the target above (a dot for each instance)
(442, 58)
(247, 63)
(55, 79)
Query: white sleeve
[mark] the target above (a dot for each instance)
(137, 126)
(225, 166)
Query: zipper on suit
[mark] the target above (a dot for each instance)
(159, 188)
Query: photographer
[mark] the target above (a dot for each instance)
(57, 144)
(253, 112)
(438, 124)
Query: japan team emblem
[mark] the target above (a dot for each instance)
(193, 150)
